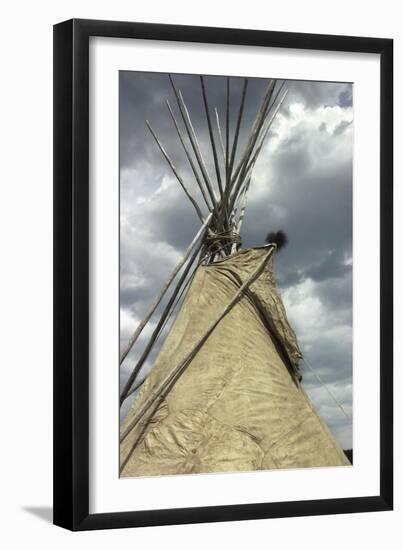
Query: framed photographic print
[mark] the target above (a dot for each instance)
(223, 274)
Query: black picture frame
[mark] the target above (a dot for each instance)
(71, 274)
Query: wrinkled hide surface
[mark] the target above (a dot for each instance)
(239, 405)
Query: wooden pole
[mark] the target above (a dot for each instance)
(237, 202)
(199, 154)
(178, 177)
(262, 136)
(227, 136)
(276, 96)
(265, 131)
(250, 167)
(136, 387)
(211, 134)
(193, 141)
(238, 126)
(245, 164)
(220, 134)
(243, 208)
(188, 156)
(257, 124)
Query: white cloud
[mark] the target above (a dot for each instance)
(311, 317)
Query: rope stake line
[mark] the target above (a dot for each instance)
(337, 402)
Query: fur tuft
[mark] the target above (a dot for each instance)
(277, 237)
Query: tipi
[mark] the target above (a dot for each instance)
(225, 392)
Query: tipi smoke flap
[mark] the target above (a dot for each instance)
(225, 391)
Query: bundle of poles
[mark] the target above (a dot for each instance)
(224, 197)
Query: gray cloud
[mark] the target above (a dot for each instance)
(345, 98)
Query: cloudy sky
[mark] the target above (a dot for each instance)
(302, 183)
